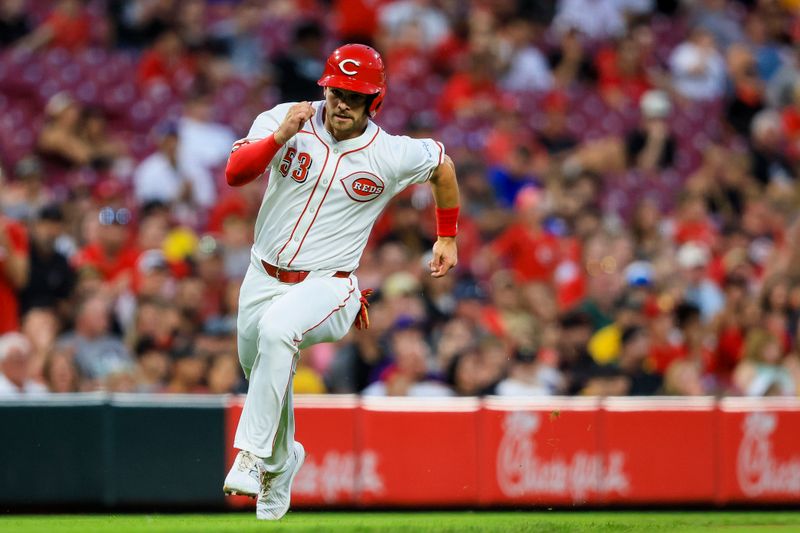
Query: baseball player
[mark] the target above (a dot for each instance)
(332, 172)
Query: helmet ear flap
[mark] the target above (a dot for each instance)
(374, 103)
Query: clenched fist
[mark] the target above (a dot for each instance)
(293, 122)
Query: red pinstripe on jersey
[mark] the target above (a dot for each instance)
(338, 308)
(333, 177)
(319, 177)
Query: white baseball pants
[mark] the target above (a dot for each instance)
(275, 321)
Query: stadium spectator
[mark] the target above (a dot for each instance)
(552, 133)
(137, 23)
(761, 372)
(60, 372)
(153, 366)
(635, 346)
(472, 93)
(15, 354)
(526, 234)
(41, 326)
(107, 151)
(769, 163)
(622, 75)
(693, 258)
(188, 372)
(14, 22)
(52, 278)
(166, 65)
(570, 62)
(159, 177)
(22, 197)
(462, 373)
(408, 373)
(239, 37)
(531, 376)
(574, 362)
(190, 23)
(203, 145)
(61, 141)
(720, 22)
(68, 26)
(747, 88)
(298, 69)
(698, 69)
(14, 271)
(526, 67)
(109, 251)
(98, 353)
(433, 24)
(355, 21)
(605, 345)
(597, 19)
(683, 379)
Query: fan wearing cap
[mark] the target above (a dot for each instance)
(332, 171)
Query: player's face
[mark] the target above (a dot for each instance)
(345, 113)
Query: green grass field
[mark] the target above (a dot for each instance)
(542, 521)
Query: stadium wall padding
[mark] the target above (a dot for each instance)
(168, 452)
(543, 452)
(113, 451)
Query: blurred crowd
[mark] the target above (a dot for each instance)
(627, 169)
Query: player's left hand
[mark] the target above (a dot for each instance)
(445, 256)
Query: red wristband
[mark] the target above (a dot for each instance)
(447, 221)
(249, 160)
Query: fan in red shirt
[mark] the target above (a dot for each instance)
(13, 271)
(166, 62)
(110, 252)
(621, 71)
(532, 253)
(69, 25)
(473, 93)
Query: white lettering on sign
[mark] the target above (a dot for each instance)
(758, 470)
(521, 473)
(339, 475)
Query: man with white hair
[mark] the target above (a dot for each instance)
(15, 355)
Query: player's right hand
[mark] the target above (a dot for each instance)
(294, 121)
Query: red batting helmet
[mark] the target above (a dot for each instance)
(357, 68)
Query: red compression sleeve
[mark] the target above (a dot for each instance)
(249, 160)
(447, 221)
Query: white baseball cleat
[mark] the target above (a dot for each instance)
(244, 478)
(276, 489)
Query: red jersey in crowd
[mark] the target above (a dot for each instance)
(73, 32)
(533, 255)
(17, 240)
(93, 256)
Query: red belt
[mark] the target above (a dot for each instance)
(295, 276)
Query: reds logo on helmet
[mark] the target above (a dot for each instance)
(357, 68)
(362, 186)
(349, 72)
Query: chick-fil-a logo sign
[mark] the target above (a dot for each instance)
(758, 470)
(521, 473)
(339, 474)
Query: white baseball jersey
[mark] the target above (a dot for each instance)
(324, 195)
